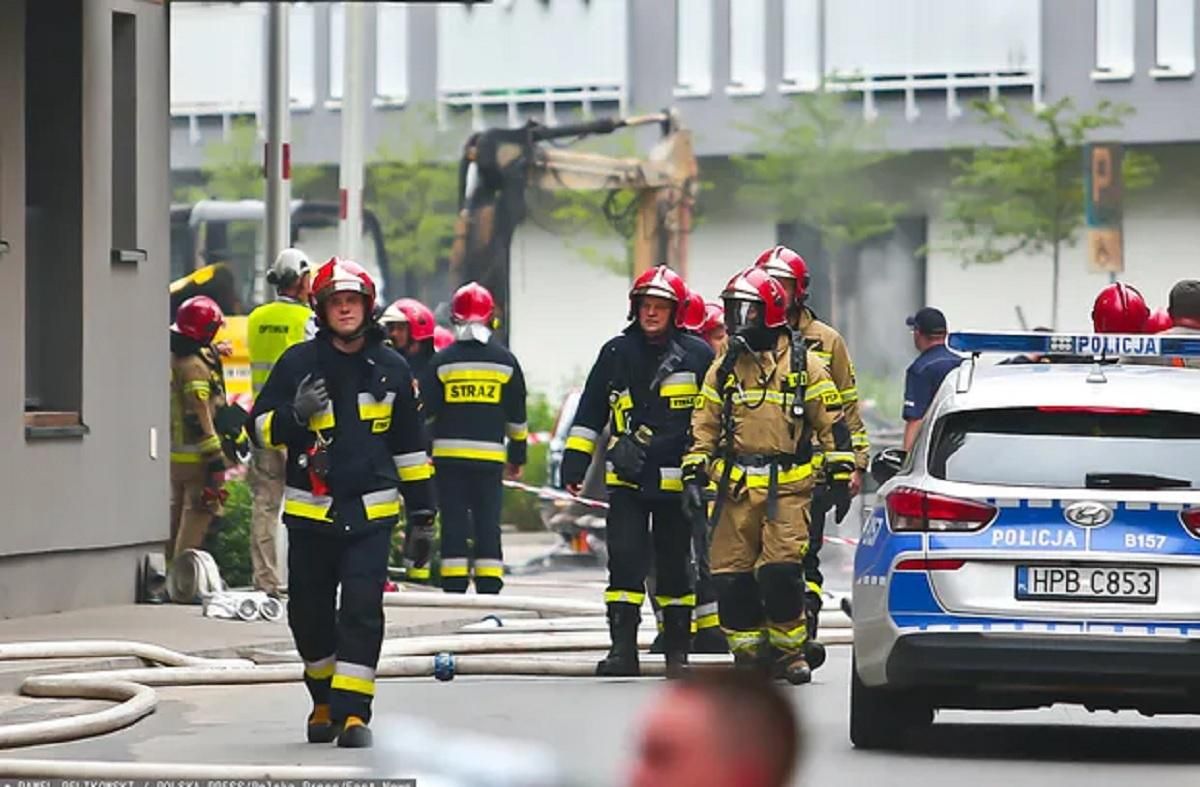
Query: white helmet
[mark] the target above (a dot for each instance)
(393, 314)
(289, 267)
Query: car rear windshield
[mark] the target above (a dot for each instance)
(1069, 447)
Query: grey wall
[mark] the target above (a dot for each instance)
(81, 509)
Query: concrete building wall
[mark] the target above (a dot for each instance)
(82, 508)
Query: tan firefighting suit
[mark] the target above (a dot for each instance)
(197, 390)
(761, 536)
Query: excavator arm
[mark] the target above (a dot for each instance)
(499, 165)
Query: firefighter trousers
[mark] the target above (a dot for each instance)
(339, 645)
(704, 616)
(469, 499)
(756, 564)
(191, 516)
(634, 524)
(265, 475)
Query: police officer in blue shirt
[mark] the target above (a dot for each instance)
(926, 373)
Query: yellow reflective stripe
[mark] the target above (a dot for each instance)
(369, 409)
(475, 370)
(624, 596)
(469, 449)
(381, 504)
(186, 458)
(612, 479)
(710, 393)
(788, 640)
(821, 389)
(576, 443)
(263, 425)
(198, 387)
(694, 458)
(322, 420)
(353, 684)
(759, 478)
(209, 445)
(417, 473)
(822, 356)
(747, 642)
(860, 440)
(486, 567)
(298, 502)
(455, 567)
(813, 587)
(849, 395)
(679, 389)
(708, 621)
(839, 456)
(517, 431)
(418, 573)
(676, 601)
(319, 670)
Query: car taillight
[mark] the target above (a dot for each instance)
(934, 564)
(912, 510)
(1191, 520)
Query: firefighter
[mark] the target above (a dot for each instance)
(644, 383)
(763, 402)
(410, 326)
(713, 331)
(197, 392)
(827, 346)
(474, 395)
(1120, 308)
(270, 329)
(345, 408)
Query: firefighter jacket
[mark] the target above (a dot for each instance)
(197, 391)
(474, 397)
(766, 433)
(371, 431)
(829, 347)
(271, 329)
(636, 385)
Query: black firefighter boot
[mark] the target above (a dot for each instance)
(622, 658)
(793, 667)
(677, 639)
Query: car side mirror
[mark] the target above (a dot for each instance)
(887, 463)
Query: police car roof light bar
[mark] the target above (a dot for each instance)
(1095, 345)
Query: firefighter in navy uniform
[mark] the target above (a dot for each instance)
(827, 345)
(645, 383)
(761, 406)
(345, 408)
(474, 395)
(410, 327)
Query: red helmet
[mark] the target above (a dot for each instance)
(1120, 308)
(1159, 321)
(338, 275)
(442, 337)
(414, 314)
(198, 318)
(754, 286)
(783, 263)
(714, 318)
(660, 282)
(472, 303)
(691, 316)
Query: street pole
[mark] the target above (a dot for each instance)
(350, 177)
(277, 155)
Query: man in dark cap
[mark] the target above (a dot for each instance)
(1184, 307)
(925, 374)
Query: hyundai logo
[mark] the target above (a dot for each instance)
(1087, 513)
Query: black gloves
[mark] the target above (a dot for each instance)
(694, 482)
(628, 454)
(419, 545)
(311, 398)
(839, 489)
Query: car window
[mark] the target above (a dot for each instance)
(1068, 447)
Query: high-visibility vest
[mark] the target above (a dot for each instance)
(271, 329)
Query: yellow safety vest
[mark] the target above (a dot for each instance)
(271, 329)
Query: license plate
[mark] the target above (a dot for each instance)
(1088, 583)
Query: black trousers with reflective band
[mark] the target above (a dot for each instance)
(470, 495)
(634, 524)
(340, 645)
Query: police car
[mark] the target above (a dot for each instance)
(1041, 542)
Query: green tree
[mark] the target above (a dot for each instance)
(1026, 195)
(813, 166)
(414, 195)
(232, 169)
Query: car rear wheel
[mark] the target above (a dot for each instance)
(882, 718)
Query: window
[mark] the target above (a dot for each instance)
(302, 42)
(1031, 446)
(801, 45)
(1114, 39)
(747, 46)
(391, 53)
(1174, 38)
(54, 76)
(124, 133)
(693, 47)
(337, 42)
